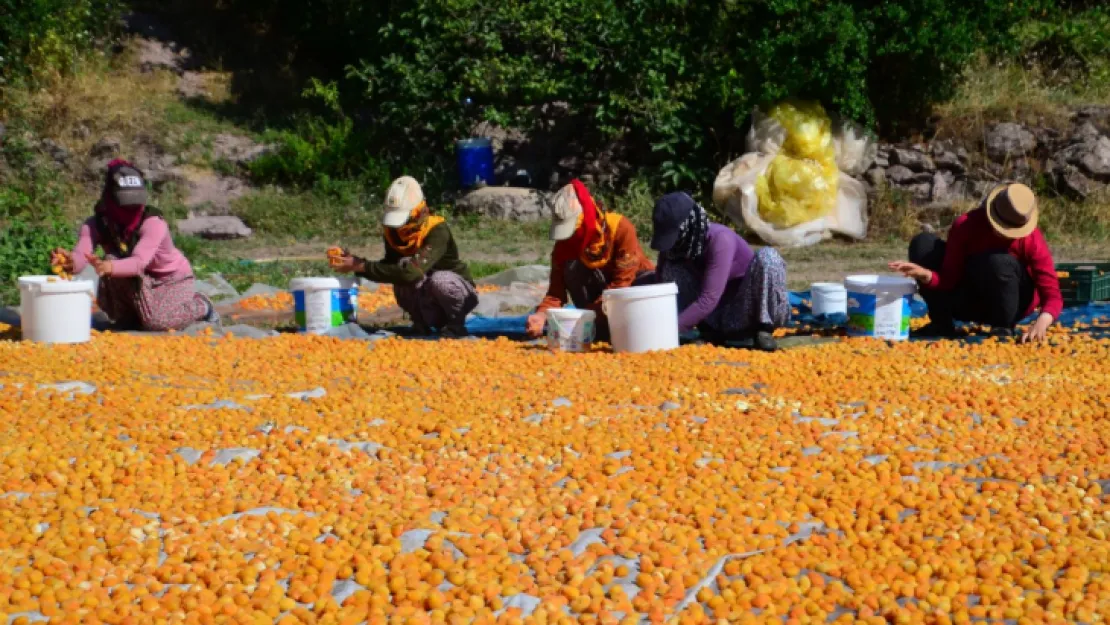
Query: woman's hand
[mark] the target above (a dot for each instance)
(345, 264)
(62, 259)
(911, 270)
(534, 327)
(103, 267)
(1039, 330)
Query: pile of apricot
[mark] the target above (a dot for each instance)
(492, 482)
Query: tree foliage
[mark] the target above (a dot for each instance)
(674, 78)
(42, 36)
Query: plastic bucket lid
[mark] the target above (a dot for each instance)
(827, 287)
(321, 284)
(640, 292)
(473, 142)
(52, 284)
(570, 313)
(885, 284)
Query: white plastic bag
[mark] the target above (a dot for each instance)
(735, 195)
(855, 151)
(766, 135)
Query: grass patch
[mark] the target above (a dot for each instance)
(998, 91)
(1069, 221)
(106, 96)
(636, 203)
(244, 273)
(340, 213)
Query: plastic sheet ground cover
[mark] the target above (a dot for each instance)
(297, 480)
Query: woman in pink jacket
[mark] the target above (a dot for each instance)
(145, 282)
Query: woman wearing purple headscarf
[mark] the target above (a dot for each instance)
(725, 289)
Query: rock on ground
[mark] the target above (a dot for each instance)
(152, 55)
(913, 160)
(1008, 141)
(508, 203)
(237, 149)
(208, 192)
(58, 152)
(223, 227)
(1082, 168)
(106, 148)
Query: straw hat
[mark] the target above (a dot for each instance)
(564, 213)
(403, 196)
(1012, 210)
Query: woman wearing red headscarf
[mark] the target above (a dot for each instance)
(594, 251)
(145, 282)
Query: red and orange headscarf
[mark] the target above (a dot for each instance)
(592, 240)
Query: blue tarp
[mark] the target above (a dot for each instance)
(513, 327)
(501, 326)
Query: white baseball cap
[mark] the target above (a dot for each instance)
(403, 196)
(564, 212)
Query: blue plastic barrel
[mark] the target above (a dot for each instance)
(475, 161)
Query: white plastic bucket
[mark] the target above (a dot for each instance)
(53, 310)
(570, 329)
(879, 306)
(642, 318)
(828, 298)
(320, 304)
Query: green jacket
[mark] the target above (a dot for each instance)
(439, 253)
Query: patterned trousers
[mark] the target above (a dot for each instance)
(759, 298)
(441, 299)
(156, 304)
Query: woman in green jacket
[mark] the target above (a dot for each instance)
(430, 281)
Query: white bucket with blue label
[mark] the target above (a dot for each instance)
(570, 329)
(879, 306)
(320, 304)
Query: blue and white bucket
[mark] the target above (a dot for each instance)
(320, 304)
(879, 306)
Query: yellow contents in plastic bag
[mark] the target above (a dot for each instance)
(794, 191)
(801, 183)
(808, 130)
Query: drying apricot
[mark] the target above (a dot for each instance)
(192, 480)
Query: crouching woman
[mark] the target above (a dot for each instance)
(146, 283)
(421, 261)
(995, 268)
(594, 251)
(726, 290)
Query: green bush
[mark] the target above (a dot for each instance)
(25, 250)
(329, 209)
(39, 36)
(29, 187)
(674, 81)
(1073, 46)
(320, 149)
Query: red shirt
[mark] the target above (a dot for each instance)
(972, 234)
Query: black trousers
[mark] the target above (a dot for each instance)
(995, 288)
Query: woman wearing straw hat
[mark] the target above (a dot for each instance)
(594, 251)
(995, 268)
(421, 261)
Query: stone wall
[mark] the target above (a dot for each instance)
(1074, 162)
